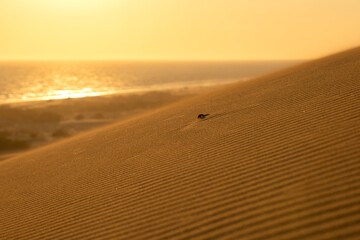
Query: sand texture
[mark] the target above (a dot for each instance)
(28, 125)
(277, 158)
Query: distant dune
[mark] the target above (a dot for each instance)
(277, 158)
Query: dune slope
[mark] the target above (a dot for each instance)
(277, 158)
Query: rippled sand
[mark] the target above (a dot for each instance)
(276, 158)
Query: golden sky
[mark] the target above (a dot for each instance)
(176, 29)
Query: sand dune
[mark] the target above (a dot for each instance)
(277, 158)
(28, 125)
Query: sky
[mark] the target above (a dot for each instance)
(176, 29)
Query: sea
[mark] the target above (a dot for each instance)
(32, 81)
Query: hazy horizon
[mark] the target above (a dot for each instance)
(155, 60)
(33, 80)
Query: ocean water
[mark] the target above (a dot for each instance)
(28, 81)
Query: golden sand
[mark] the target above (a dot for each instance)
(277, 158)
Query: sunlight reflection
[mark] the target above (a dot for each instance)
(61, 94)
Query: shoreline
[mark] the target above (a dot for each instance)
(31, 124)
(179, 88)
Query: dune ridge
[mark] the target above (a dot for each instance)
(277, 158)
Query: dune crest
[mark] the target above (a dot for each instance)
(277, 158)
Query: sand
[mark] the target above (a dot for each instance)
(28, 125)
(277, 158)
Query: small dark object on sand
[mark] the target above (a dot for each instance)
(202, 116)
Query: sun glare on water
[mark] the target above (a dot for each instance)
(86, 92)
(64, 94)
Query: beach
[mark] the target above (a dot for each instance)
(27, 125)
(42, 102)
(276, 158)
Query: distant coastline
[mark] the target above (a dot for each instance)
(29, 81)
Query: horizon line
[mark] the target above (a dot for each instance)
(148, 60)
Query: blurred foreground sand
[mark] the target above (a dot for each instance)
(27, 125)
